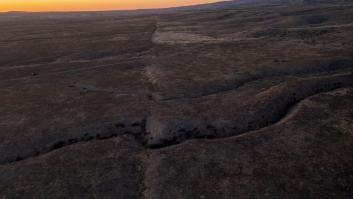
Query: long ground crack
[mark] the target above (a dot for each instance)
(139, 129)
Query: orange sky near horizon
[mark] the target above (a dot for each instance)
(86, 5)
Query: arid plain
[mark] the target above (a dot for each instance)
(244, 102)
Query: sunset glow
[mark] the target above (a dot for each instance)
(84, 5)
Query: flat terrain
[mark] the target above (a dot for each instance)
(245, 102)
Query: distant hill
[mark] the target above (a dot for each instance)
(233, 3)
(210, 6)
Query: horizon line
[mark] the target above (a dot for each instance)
(111, 10)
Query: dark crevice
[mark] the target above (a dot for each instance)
(282, 102)
(195, 134)
(265, 115)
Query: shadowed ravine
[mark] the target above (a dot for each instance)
(282, 98)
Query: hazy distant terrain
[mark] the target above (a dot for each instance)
(240, 99)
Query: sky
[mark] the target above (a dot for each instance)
(86, 5)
